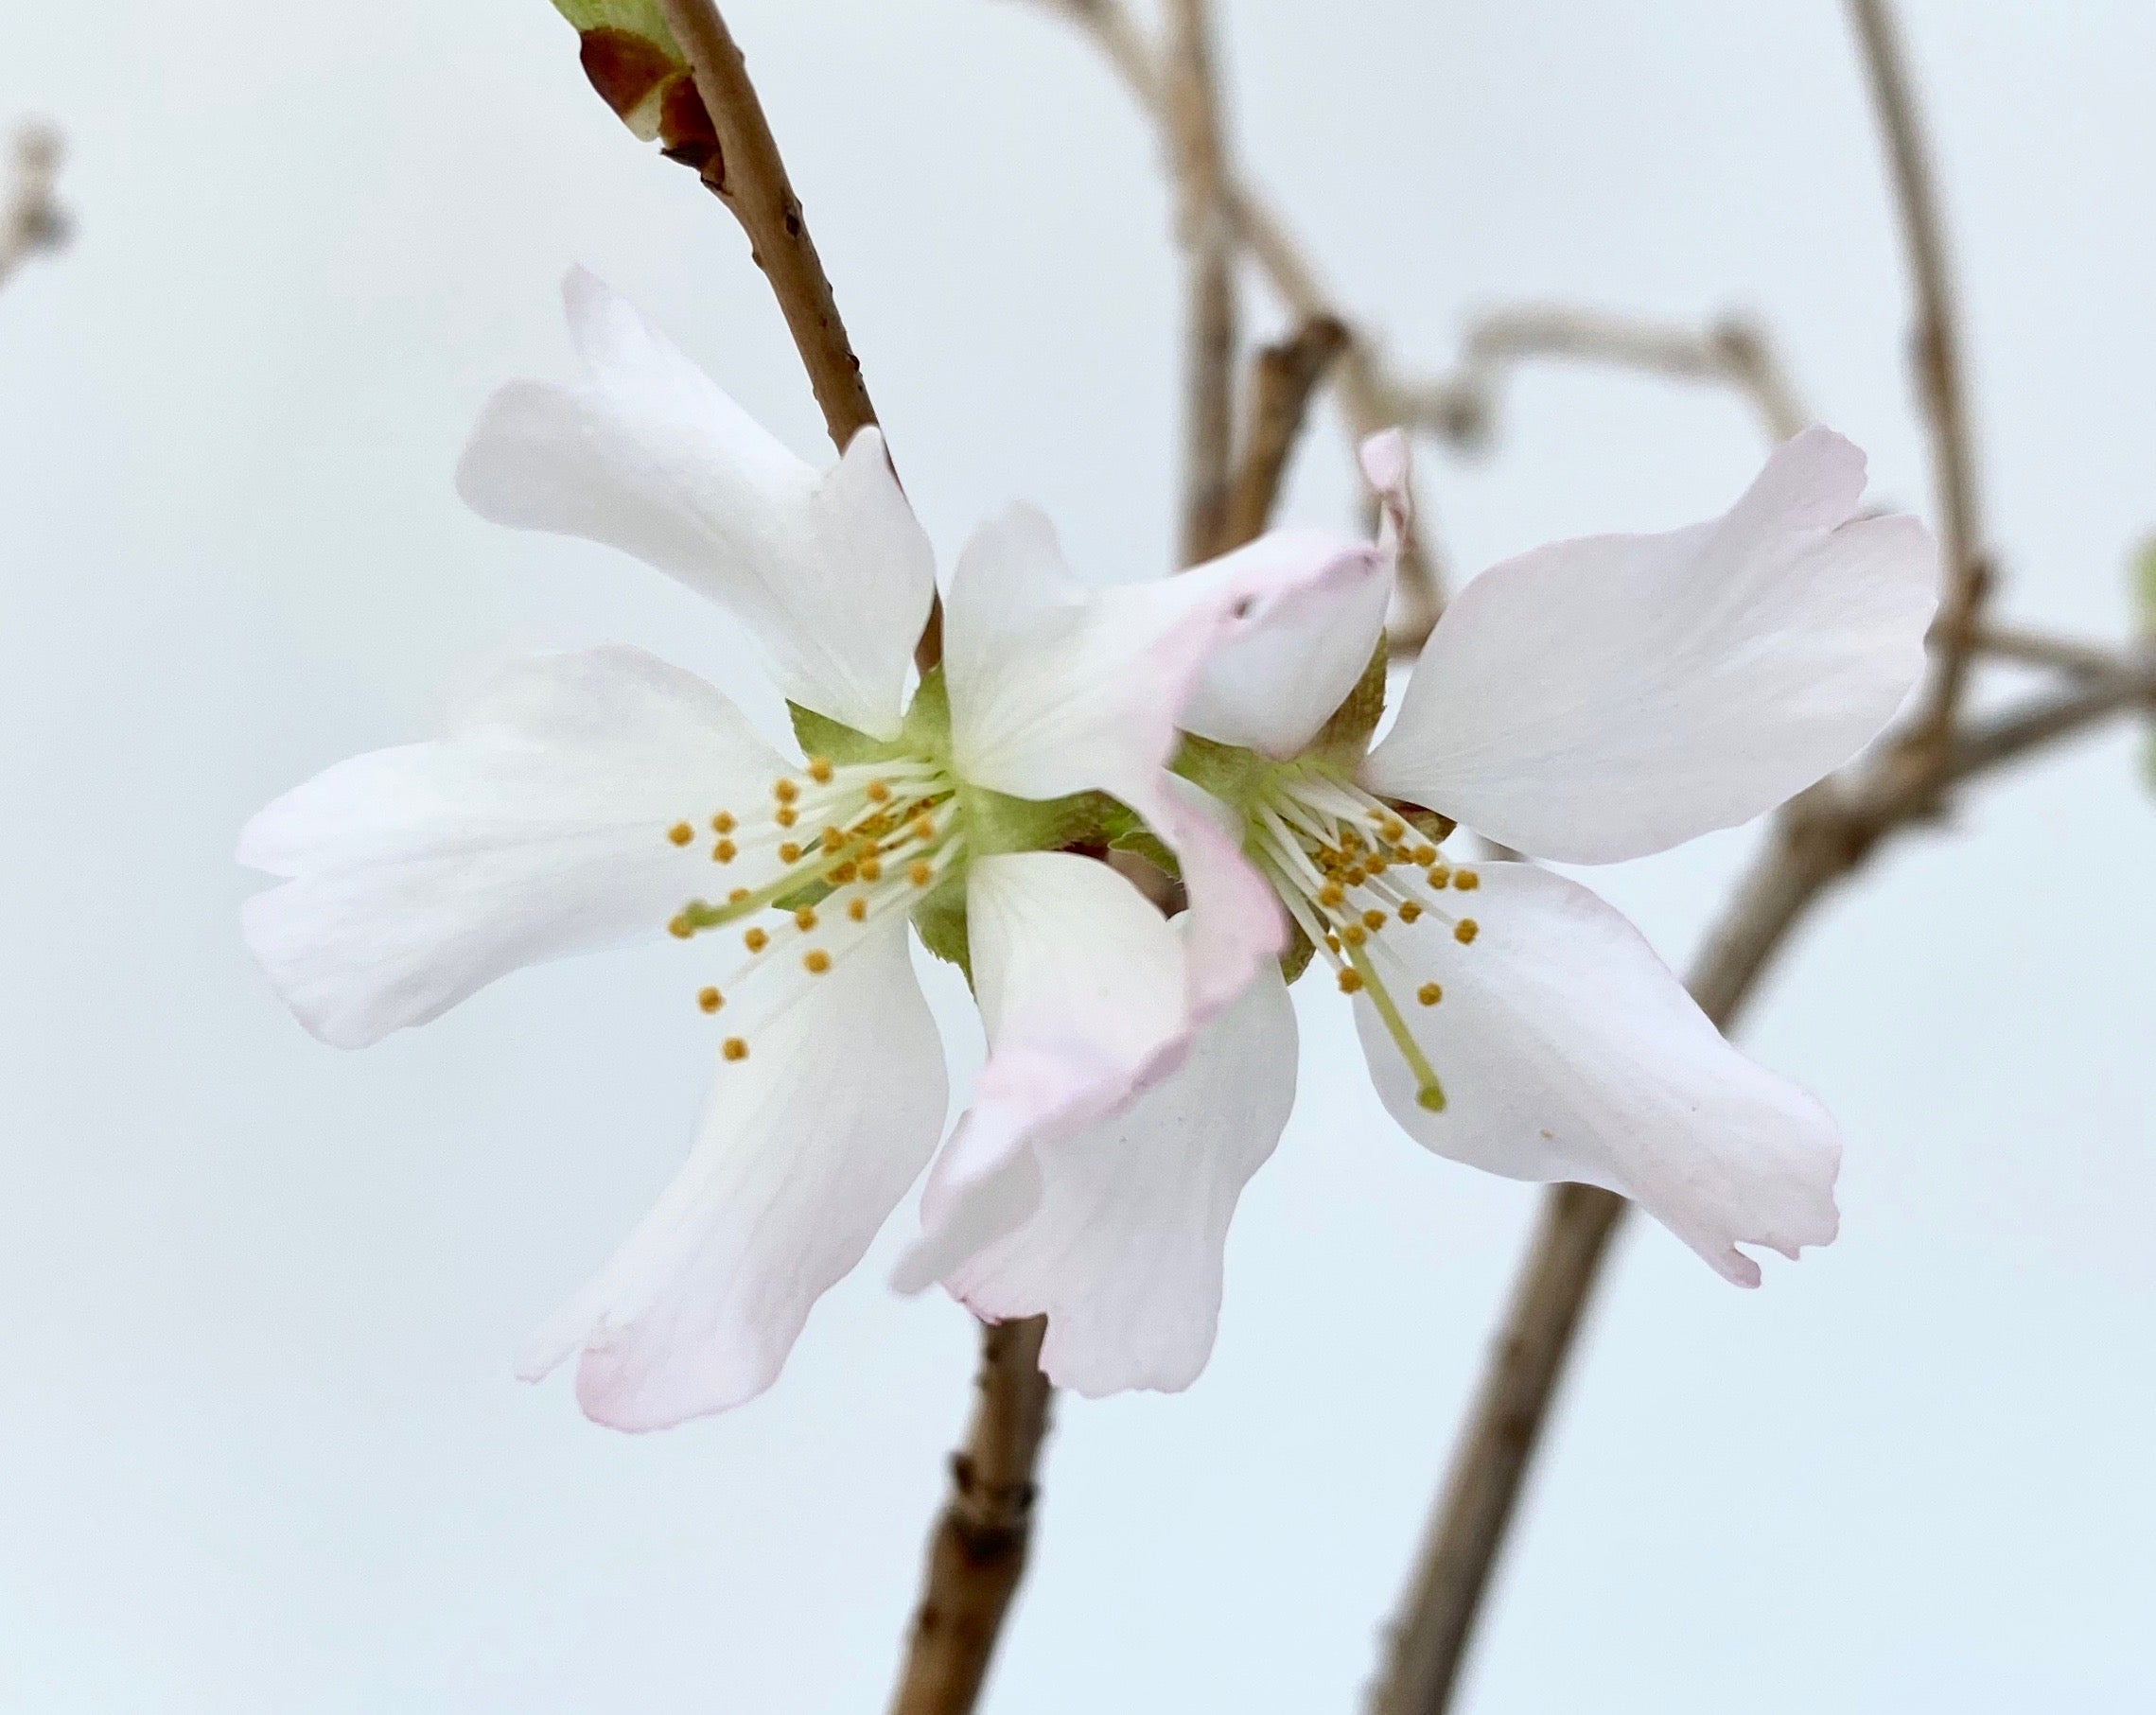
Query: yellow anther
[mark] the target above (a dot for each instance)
(785, 791)
(787, 815)
(835, 840)
(845, 873)
(1410, 911)
(756, 940)
(1354, 875)
(1350, 982)
(1373, 920)
(1331, 894)
(724, 853)
(1439, 875)
(819, 770)
(925, 827)
(789, 852)
(1466, 881)
(815, 961)
(711, 999)
(736, 897)
(723, 823)
(871, 871)
(805, 918)
(681, 928)
(735, 1049)
(1430, 994)
(921, 873)
(1353, 934)
(1332, 940)
(879, 793)
(681, 833)
(1392, 829)
(1422, 854)
(1466, 930)
(857, 908)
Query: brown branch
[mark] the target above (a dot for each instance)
(1820, 840)
(1366, 396)
(1209, 327)
(748, 175)
(1732, 352)
(30, 220)
(1283, 380)
(977, 1553)
(1941, 369)
(2029, 648)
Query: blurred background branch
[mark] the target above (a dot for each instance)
(31, 219)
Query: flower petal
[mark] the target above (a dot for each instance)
(1598, 700)
(538, 827)
(645, 453)
(1569, 1051)
(806, 1146)
(1123, 1248)
(1057, 688)
(1081, 983)
(1273, 689)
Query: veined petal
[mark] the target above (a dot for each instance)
(806, 1146)
(1057, 688)
(1123, 1248)
(1601, 699)
(538, 827)
(1273, 688)
(645, 453)
(1569, 1051)
(1081, 983)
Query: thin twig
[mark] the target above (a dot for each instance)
(748, 175)
(1210, 333)
(1733, 352)
(30, 220)
(1366, 398)
(2041, 649)
(1940, 370)
(1283, 382)
(1818, 841)
(977, 1554)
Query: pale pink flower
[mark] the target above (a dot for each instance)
(1588, 702)
(584, 798)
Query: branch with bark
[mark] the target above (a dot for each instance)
(31, 220)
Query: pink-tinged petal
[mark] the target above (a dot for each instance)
(1598, 700)
(645, 453)
(1082, 984)
(1272, 690)
(1122, 1246)
(1569, 1051)
(806, 1146)
(538, 827)
(1057, 688)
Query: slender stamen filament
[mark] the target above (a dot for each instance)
(813, 858)
(1347, 868)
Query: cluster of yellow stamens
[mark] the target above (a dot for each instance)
(1346, 866)
(830, 875)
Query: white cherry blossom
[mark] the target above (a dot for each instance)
(577, 799)
(1587, 702)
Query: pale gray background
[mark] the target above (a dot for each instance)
(259, 1449)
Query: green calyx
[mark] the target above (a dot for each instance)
(990, 823)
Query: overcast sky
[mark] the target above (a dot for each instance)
(261, 1449)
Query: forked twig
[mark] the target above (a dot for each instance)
(1366, 399)
(31, 220)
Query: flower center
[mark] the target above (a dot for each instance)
(1347, 868)
(825, 857)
